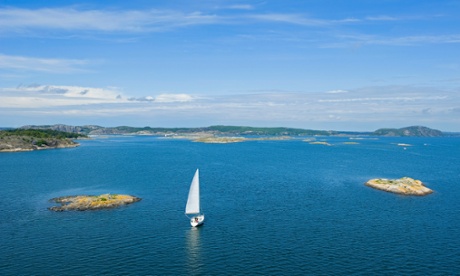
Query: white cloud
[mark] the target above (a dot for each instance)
(41, 64)
(337, 91)
(383, 99)
(73, 91)
(410, 40)
(142, 99)
(12, 19)
(71, 19)
(170, 98)
(296, 19)
(44, 96)
(414, 40)
(37, 22)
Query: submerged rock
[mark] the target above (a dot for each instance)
(91, 202)
(405, 186)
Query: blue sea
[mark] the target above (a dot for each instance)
(272, 208)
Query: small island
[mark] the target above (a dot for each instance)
(226, 140)
(405, 186)
(91, 202)
(219, 140)
(319, 143)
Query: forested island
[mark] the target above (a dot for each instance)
(13, 140)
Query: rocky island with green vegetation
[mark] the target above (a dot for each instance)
(92, 202)
(405, 186)
(14, 140)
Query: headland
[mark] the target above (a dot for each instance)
(36, 139)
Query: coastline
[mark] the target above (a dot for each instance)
(19, 149)
(13, 148)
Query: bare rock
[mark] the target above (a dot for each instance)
(91, 202)
(405, 186)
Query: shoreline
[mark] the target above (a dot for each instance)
(34, 148)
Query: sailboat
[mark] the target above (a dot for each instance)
(193, 202)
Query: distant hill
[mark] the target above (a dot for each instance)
(235, 130)
(216, 130)
(243, 130)
(420, 131)
(65, 128)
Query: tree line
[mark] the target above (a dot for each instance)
(40, 133)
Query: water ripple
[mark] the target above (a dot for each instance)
(284, 208)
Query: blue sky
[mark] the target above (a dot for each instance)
(342, 65)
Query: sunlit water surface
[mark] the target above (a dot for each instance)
(272, 208)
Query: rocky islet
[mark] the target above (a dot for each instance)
(404, 186)
(92, 202)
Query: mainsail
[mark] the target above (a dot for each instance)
(193, 201)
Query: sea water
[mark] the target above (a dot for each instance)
(272, 208)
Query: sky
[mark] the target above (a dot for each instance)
(356, 65)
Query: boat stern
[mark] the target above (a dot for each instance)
(197, 220)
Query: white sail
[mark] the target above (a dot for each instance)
(193, 201)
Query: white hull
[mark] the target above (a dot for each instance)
(197, 220)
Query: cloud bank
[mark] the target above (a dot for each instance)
(60, 96)
(401, 106)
